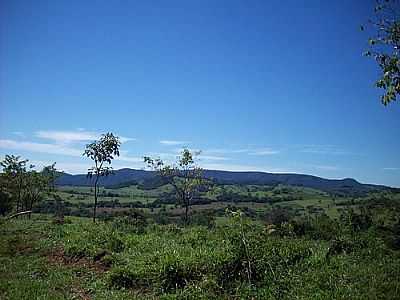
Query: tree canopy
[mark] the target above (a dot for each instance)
(102, 152)
(384, 45)
(185, 176)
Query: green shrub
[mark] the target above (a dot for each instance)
(122, 277)
(235, 260)
(203, 219)
(87, 239)
(115, 242)
(176, 275)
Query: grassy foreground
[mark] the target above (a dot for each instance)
(237, 260)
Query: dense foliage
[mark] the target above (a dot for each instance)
(21, 186)
(384, 47)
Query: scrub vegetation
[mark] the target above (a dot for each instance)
(229, 252)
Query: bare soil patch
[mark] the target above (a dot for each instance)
(58, 257)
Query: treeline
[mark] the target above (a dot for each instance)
(164, 199)
(102, 193)
(22, 186)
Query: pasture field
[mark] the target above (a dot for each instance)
(242, 242)
(124, 195)
(236, 258)
(258, 198)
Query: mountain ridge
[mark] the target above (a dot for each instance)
(126, 176)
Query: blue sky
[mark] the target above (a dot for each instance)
(278, 86)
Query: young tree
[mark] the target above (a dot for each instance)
(384, 47)
(14, 172)
(35, 189)
(102, 152)
(185, 176)
(38, 185)
(51, 174)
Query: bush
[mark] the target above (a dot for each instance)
(278, 215)
(323, 228)
(5, 203)
(237, 260)
(122, 277)
(357, 221)
(174, 274)
(89, 239)
(203, 219)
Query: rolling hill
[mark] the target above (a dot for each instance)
(124, 177)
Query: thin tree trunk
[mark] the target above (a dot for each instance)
(17, 205)
(19, 195)
(95, 199)
(187, 211)
(186, 214)
(30, 208)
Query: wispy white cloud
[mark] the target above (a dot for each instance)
(58, 149)
(391, 169)
(40, 147)
(263, 152)
(163, 155)
(223, 154)
(249, 151)
(129, 159)
(67, 137)
(173, 143)
(80, 167)
(324, 149)
(68, 167)
(212, 157)
(124, 139)
(243, 168)
(198, 154)
(226, 151)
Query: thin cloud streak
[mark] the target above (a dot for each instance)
(264, 152)
(129, 158)
(199, 154)
(243, 168)
(226, 151)
(211, 157)
(249, 151)
(57, 149)
(173, 143)
(67, 137)
(40, 147)
(77, 167)
(69, 167)
(324, 149)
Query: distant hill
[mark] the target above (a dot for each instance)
(120, 177)
(149, 179)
